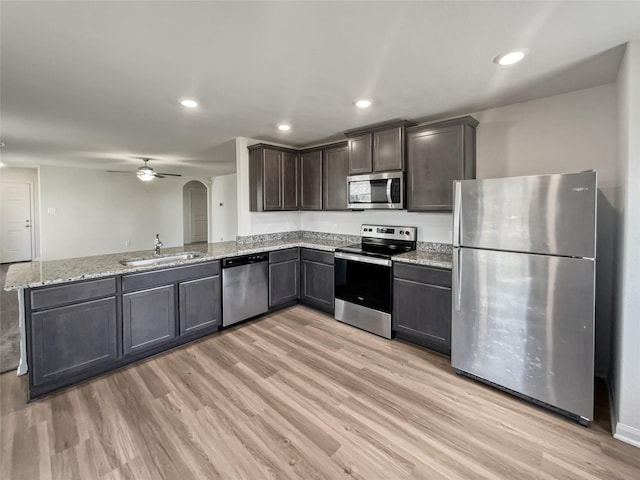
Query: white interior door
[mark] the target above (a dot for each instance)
(199, 221)
(15, 222)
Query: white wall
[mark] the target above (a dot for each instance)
(30, 176)
(224, 208)
(625, 373)
(564, 133)
(90, 212)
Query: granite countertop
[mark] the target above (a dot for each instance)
(427, 258)
(37, 274)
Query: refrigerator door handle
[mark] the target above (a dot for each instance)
(457, 197)
(457, 279)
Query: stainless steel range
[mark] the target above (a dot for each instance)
(363, 277)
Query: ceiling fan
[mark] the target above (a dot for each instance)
(146, 173)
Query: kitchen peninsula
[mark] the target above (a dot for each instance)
(76, 314)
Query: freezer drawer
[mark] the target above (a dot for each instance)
(526, 322)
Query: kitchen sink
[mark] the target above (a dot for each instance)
(159, 259)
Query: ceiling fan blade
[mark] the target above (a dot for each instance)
(121, 171)
(169, 174)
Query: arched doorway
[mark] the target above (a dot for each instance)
(195, 212)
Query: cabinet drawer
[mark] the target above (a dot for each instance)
(317, 256)
(283, 255)
(138, 281)
(71, 293)
(416, 273)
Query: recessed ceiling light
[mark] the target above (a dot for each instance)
(189, 103)
(284, 127)
(511, 57)
(363, 103)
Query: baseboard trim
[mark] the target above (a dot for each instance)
(620, 431)
(627, 434)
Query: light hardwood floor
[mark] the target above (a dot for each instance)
(296, 395)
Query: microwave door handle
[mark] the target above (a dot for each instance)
(389, 182)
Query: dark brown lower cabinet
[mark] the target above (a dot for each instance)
(284, 277)
(422, 306)
(200, 304)
(316, 279)
(72, 339)
(148, 318)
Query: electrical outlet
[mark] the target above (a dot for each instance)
(51, 210)
(127, 243)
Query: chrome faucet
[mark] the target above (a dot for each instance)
(157, 244)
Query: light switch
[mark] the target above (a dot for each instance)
(51, 210)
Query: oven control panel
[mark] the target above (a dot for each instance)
(389, 232)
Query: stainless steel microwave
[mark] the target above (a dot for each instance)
(376, 190)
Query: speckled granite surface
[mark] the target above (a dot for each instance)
(268, 237)
(336, 237)
(429, 259)
(299, 234)
(36, 274)
(435, 247)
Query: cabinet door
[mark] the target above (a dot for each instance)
(311, 181)
(334, 178)
(148, 318)
(435, 160)
(290, 181)
(284, 283)
(316, 287)
(388, 150)
(422, 314)
(72, 339)
(272, 178)
(200, 304)
(360, 154)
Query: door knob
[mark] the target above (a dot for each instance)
(28, 226)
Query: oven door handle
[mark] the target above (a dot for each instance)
(363, 259)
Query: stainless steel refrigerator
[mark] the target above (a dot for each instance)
(524, 287)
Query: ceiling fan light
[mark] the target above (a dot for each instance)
(145, 176)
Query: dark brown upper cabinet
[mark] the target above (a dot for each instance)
(311, 180)
(335, 169)
(360, 154)
(273, 178)
(438, 154)
(290, 178)
(380, 148)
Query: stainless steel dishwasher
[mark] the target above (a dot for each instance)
(245, 287)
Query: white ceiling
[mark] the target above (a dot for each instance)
(96, 84)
